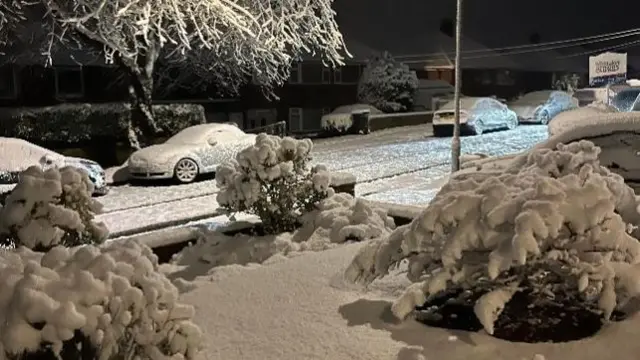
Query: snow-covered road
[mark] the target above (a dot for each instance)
(409, 170)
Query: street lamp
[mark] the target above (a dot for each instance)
(455, 141)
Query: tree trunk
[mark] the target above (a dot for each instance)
(455, 141)
(142, 125)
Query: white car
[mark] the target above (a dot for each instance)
(16, 155)
(477, 115)
(193, 151)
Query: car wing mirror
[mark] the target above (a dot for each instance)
(212, 141)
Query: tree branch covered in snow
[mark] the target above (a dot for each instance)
(226, 42)
(387, 84)
(111, 299)
(558, 224)
(50, 208)
(11, 14)
(272, 179)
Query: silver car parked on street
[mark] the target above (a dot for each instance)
(542, 106)
(477, 115)
(193, 151)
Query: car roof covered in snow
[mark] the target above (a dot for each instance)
(18, 154)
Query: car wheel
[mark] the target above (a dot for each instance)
(478, 127)
(186, 170)
(544, 117)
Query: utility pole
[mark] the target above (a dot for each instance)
(455, 141)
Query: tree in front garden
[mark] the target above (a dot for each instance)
(221, 42)
(273, 180)
(387, 84)
(11, 14)
(555, 226)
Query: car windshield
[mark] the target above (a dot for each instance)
(465, 103)
(624, 100)
(536, 97)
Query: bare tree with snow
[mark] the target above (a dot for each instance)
(11, 14)
(223, 41)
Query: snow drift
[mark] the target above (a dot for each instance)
(568, 120)
(557, 213)
(114, 295)
(337, 219)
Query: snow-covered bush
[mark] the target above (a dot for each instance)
(387, 84)
(558, 225)
(273, 180)
(111, 299)
(49, 208)
(337, 219)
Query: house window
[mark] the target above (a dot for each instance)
(296, 74)
(326, 75)
(69, 82)
(295, 120)
(8, 82)
(313, 73)
(337, 76)
(348, 74)
(505, 78)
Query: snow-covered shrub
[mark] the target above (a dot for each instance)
(387, 84)
(273, 180)
(49, 208)
(337, 219)
(110, 298)
(558, 225)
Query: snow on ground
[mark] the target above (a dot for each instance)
(298, 308)
(382, 137)
(129, 197)
(135, 218)
(393, 159)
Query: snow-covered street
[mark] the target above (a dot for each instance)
(405, 169)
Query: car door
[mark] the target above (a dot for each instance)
(493, 114)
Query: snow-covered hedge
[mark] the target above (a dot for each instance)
(387, 84)
(273, 180)
(337, 219)
(559, 224)
(110, 298)
(49, 208)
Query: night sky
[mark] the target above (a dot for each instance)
(496, 23)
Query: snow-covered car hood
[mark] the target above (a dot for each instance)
(576, 118)
(525, 111)
(599, 124)
(161, 152)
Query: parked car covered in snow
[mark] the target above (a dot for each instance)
(477, 115)
(542, 106)
(196, 150)
(341, 117)
(16, 155)
(625, 99)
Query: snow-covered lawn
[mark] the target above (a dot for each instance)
(300, 308)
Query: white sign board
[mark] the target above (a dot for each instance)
(607, 68)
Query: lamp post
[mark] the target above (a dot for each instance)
(455, 141)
